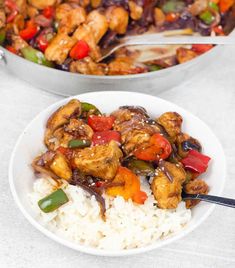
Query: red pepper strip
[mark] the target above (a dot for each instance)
(218, 30)
(103, 137)
(201, 48)
(80, 50)
(48, 12)
(157, 148)
(42, 43)
(30, 31)
(100, 123)
(11, 49)
(225, 5)
(196, 161)
(12, 15)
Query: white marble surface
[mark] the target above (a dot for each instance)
(209, 95)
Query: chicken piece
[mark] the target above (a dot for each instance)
(159, 17)
(32, 12)
(18, 23)
(166, 192)
(60, 117)
(75, 129)
(171, 121)
(198, 6)
(184, 143)
(136, 11)
(196, 186)
(185, 54)
(18, 43)
(100, 161)
(132, 123)
(84, 32)
(96, 3)
(2, 18)
(126, 113)
(118, 19)
(59, 47)
(88, 66)
(71, 20)
(22, 7)
(98, 24)
(60, 167)
(41, 4)
(53, 164)
(62, 11)
(125, 66)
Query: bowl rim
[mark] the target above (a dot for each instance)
(100, 252)
(109, 77)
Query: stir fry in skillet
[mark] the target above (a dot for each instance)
(69, 35)
(107, 154)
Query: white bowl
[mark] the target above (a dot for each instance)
(30, 144)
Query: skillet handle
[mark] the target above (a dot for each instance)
(2, 58)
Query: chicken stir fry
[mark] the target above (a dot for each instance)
(108, 154)
(70, 35)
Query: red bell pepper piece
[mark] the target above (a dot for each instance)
(201, 48)
(103, 137)
(225, 5)
(100, 123)
(48, 12)
(196, 161)
(219, 30)
(157, 148)
(80, 50)
(42, 42)
(11, 49)
(30, 31)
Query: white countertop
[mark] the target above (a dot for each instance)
(209, 95)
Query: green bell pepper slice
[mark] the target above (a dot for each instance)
(35, 56)
(79, 143)
(141, 167)
(2, 36)
(207, 17)
(53, 201)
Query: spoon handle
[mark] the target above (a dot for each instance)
(211, 199)
(153, 39)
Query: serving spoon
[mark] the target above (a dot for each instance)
(228, 202)
(177, 37)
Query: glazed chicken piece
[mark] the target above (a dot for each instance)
(125, 66)
(41, 4)
(136, 11)
(132, 123)
(98, 24)
(53, 164)
(84, 32)
(96, 3)
(32, 11)
(166, 192)
(22, 7)
(2, 18)
(75, 129)
(198, 6)
(18, 43)
(62, 11)
(172, 122)
(118, 19)
(59, 47)
(88, 66)
(71, 20)
(60, 117)
(197, 186)
(100, 161)
(185, 54)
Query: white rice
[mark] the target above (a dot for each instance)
(127, 224)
